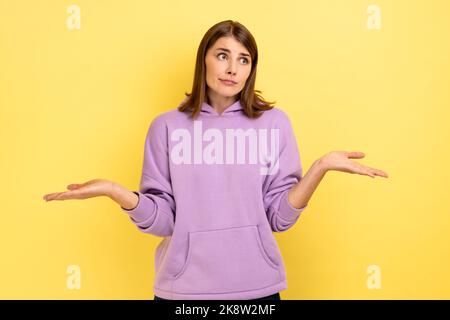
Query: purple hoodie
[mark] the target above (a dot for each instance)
(215, 188)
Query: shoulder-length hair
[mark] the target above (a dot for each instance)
(252, 103)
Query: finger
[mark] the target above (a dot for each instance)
(73, 186)
(60, 196)
(51, 196)
(378, 172)
(74, 194)
(364, 171)
(369, 173)
(381, 173)
(57, 195)
(355, 155)
(67, 195)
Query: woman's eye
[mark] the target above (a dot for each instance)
(223, 54)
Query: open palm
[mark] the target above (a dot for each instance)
(340, 161)
(90, 189)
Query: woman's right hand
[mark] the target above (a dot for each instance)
(90, 189)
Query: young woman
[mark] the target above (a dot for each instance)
(220, 173)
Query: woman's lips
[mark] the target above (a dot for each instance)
(228, 82)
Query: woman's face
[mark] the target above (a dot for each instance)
(227, 59)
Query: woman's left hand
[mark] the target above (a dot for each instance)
(340, 161)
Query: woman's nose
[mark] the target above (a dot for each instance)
(233, 72)
(231, 68)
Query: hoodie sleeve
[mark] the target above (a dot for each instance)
(280, 213)
(155, 211)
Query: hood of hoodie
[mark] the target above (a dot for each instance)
(233, 109)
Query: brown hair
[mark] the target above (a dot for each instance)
(252, 103)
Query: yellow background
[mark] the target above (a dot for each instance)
(76, 105)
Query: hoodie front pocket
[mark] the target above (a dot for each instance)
(226, 260)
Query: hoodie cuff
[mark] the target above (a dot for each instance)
(143, 209)
(286, 210)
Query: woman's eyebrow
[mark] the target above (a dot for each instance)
(226, 50)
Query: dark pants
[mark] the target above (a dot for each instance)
(275, 296)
